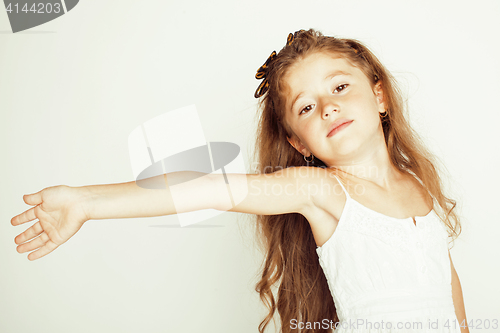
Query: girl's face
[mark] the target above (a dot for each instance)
(323, 89)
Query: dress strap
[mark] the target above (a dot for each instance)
(345, 191)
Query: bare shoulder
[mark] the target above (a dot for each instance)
(310, 191)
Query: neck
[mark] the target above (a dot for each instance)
(374, 167)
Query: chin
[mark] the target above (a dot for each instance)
(347, 148)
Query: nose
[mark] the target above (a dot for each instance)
(328, 107)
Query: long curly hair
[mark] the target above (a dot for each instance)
(287, 240)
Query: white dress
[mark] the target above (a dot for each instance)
(387, 274)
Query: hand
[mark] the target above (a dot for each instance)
(61, 212)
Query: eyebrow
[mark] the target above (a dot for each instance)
(329, 76)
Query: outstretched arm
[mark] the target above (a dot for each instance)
(62, 210)
(285, 191)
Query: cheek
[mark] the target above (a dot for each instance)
(306, 132)
(366, 115)
(366, 106)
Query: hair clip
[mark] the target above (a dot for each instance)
(262, 71)
(261, 74)
(291, 37)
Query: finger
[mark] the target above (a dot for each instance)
(43, 251)
(35, 230)
(34, 244)
(33, 199)
(24, 217)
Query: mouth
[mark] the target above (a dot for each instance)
(338, 126)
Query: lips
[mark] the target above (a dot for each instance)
(336, 124)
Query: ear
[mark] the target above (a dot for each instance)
(379, 94)
(295, 142)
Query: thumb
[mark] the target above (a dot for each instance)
(33, 199)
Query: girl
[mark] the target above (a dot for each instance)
(356, 237)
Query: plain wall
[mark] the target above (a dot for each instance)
(73, 89)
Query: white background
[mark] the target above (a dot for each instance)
(73, 89)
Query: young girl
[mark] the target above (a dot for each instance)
(356, 239)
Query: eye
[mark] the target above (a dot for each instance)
(307, 108)
(340, 88)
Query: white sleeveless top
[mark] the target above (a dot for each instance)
(388, 272)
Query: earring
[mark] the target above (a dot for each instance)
(383, 115)
(312, 159)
